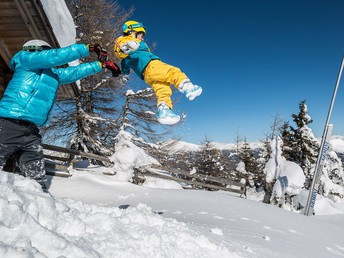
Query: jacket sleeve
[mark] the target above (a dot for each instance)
(124, 67)
(54, 57)
(74, 73)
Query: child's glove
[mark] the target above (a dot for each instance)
(130, 46)
(101, 52)
(114, 68)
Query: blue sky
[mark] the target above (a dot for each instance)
(253, 58)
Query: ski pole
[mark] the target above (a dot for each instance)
(322, 152)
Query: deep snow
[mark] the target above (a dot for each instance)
(95, 215)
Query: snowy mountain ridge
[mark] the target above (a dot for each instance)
(177, 146)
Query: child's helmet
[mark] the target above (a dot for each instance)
(36, 45)
(130, 26)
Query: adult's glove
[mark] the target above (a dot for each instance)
(101, 52)
(114, 68)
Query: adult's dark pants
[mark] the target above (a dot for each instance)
(21, 139)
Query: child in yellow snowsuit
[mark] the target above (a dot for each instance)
(135, 55)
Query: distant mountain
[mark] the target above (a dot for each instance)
(173, 146)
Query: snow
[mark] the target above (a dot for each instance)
(91, 214)
(337, 143)
(161, 184)
(126, 159)
(290, 180)
(272, 167)
(61, 21)
(172, 146)
(94, 215)
(289, 175)
(128, 156)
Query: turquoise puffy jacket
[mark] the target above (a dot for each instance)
(31, 93)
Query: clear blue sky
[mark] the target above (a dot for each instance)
(253, 58)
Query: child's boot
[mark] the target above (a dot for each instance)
(166, 115)
(190, 90)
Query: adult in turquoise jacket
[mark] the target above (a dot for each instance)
(30, 95)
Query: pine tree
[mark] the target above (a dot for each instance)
(332, 180)
(246, 155)
(264, 156)
(88, 121)
(299, 144)
(287, 137)
(210, 159)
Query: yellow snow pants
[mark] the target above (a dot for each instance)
(160, 76)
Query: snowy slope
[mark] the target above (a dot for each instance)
(93, 215)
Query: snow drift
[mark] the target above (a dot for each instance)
(35, 224)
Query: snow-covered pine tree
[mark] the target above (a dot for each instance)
(269, 150)
(300, 144)
(210, 161)
(332, 179)
(271, 168)
(246, 155)
(264, 156)
(287, 136)
(87, 120)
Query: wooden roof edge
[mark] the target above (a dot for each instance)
(5, 53)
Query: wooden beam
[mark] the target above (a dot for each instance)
(8, 13)
(75, 152)
(5, 53)
(200, 184)
(28, 19)
(43, 18)
(197, 176)
(57, 158)
(11, 26)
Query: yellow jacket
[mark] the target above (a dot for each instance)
(135, 54)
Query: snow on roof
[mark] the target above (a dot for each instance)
(61, 20)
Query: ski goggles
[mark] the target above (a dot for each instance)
(131, 27)
(36, 48)
(137, 25)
